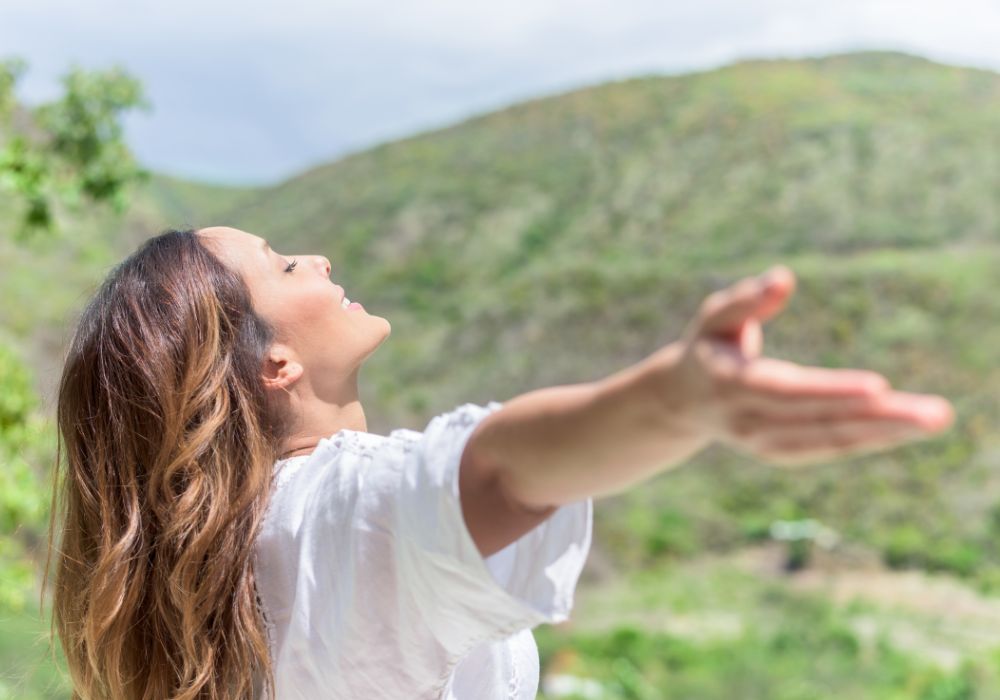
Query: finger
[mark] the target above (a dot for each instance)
(781, 407)
(780, 380)
(724, 312)
(928, 412)
(925, 412)
(826, 440)
(751, 338)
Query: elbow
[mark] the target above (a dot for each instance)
(494, 514)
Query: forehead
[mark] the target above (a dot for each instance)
(239, 249)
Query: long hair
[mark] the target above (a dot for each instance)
(169, 451)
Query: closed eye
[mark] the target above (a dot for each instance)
(291, 265)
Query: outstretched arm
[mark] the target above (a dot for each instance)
(562, 444)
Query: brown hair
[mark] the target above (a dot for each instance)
(169, 451)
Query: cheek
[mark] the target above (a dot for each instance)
(299, 314)
(315, 307)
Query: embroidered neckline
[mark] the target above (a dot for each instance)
(355, 441)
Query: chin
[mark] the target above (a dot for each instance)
(388, 326)
(386, 331)
(377, 341)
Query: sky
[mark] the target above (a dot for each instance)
(254, 93)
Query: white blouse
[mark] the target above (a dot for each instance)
(373, 588)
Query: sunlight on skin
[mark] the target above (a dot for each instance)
(312, 369)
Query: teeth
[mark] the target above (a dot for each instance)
(345, 302)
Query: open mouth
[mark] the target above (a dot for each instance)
(348, 304)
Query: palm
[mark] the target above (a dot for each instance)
(785, 412)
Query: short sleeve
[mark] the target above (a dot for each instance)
(470, 599)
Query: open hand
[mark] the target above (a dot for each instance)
(779, 411)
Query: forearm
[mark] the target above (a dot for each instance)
(566, 443)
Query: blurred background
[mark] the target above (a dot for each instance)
(539, 193)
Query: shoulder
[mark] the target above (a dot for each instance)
(351, 466)
(338, 458)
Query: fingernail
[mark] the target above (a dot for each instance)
(766, 280)
(771, 276)
(941, 414)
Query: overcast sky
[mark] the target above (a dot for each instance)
(246, 93)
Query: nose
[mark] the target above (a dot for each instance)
(324, 264)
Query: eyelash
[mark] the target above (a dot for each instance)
(291, 265)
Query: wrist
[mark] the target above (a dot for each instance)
(661, 392)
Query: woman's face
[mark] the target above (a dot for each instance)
(295, 294)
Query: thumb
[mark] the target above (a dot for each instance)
(724, 313)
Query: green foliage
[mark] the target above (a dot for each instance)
(25, 440)
(806, 653)
(72, 150)
(799, 554)
(906, 547)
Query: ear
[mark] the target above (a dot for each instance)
(281, 368)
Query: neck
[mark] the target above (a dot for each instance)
(317, 417)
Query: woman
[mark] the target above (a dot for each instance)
(230, 529)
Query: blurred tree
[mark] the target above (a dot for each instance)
(70, 150)
(65, 153)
